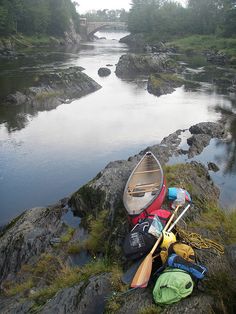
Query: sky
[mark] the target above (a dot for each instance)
(86, 5)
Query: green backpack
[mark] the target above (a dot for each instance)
(172, 286)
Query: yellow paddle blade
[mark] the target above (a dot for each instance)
(143, 273)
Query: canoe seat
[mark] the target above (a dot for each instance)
(139, 190)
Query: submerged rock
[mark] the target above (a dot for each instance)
(212, 166)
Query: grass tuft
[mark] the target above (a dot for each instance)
(98, 233)
(68, 235)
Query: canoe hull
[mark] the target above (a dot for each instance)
(134, 219)
(145, 189)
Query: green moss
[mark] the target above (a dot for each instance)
(160, 79)
(68, 235)
(47, 95)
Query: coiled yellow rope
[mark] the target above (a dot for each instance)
(197, 241)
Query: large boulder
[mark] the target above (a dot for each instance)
(137, 41)
(132, 64)
(214, 129)
(27, 236)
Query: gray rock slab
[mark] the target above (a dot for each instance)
(86, 298)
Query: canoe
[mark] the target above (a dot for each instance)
(145, 189)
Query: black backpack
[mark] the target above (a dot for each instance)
(139, 242)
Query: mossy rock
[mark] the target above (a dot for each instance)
(163, 83)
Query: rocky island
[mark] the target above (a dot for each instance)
(36, 248)
(52, 89)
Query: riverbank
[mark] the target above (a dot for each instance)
(36, 264)
(16, 45)
(222, 48)
(204, 43)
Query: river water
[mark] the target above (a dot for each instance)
(46, 155)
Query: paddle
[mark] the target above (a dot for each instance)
(143, 273)
(130, 272)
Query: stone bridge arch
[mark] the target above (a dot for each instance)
(90, 28)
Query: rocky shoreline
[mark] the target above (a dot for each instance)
(35, 247)
(164, 56)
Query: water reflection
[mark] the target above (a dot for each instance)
(47, 154)
(230, 144)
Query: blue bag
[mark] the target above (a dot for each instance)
(173, 193)
(195, 270)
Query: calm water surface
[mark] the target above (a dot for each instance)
(47, 155)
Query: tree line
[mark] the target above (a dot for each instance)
(106, 15)
(166, 18)
(51, 17)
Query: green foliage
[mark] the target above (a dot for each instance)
(164, 19)
(119, 15)
(29, 17)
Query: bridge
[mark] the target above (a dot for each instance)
(87, 29)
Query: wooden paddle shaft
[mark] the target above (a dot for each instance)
(166, 227)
